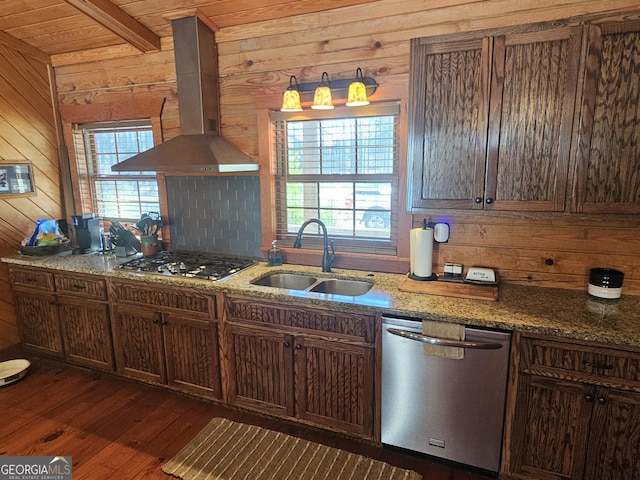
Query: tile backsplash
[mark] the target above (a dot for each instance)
(215, 214)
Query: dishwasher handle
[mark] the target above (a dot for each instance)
(444, 342)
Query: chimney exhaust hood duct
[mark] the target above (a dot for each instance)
(199, 148)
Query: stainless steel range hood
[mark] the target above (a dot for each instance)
(199, 148)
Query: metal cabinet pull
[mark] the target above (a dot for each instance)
(588, 398)
(602, 400)
(444, 342)
(79, 287)
(478, 199)
(597, 366)
(489, 201)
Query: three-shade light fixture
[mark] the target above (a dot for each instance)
(358, 89)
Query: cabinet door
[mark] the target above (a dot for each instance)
(261, 364)
(448, 122)
(550, 429)
(334, 384)
(39, 323)
(533, 89)
(137, 341)
(191, 348)
(614, 444)
(86, 331)
(491, 119)
(608, 158)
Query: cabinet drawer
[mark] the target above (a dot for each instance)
(360, 327)
(186, 300)
(581, 362)
(94, 288)
(31, 278)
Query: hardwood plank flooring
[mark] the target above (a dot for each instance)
(117, 428)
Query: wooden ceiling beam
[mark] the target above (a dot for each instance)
(16, 44)
(115, 19)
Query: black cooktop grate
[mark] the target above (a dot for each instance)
(189, 264)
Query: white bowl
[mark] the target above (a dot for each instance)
(13, 370)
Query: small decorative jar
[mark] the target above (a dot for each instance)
(149, 244)
(605, 283)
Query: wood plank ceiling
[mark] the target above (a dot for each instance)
(57, 27)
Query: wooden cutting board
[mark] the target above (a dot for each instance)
(450, 289)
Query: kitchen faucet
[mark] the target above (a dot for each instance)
(327, 258)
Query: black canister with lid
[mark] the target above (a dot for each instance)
(605, 283)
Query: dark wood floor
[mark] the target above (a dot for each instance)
(116, 428)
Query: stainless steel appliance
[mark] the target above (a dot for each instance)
(189, 264)
(448, 408)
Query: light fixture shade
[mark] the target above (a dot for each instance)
(322, 96)
(357, 91)
(322, 99)
(291, 97)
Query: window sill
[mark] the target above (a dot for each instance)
(350, 261)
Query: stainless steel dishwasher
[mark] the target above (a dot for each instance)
(448, 408)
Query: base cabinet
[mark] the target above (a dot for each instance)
(167, 336)
(576, 415)
(39, 323)
(64, 315)
(280, 364)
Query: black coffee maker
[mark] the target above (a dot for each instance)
(87, 230)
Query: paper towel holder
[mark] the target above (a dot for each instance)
(430, 278)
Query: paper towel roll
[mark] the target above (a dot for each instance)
(421, 248)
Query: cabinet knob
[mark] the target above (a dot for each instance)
(478, 199)
(287, 344)
(298, 346)
(602, 400)
(588, 398)
(79, 287)
(489, 201)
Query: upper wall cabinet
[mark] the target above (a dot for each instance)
(608, 157)
(491, 118)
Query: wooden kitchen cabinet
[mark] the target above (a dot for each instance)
(166, 335)
(491, 118)
(64, 315)
(310, 364)
(576, 413)
(608, 157)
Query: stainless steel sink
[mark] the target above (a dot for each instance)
(331, 286)
(351, 288)
(291, 281)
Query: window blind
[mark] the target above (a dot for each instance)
(117, 195)
(340, 166)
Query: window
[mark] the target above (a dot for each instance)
(116, 195)
(339, 166)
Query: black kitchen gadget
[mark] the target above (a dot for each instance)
(87, 231)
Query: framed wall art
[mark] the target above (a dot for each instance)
(16, 178)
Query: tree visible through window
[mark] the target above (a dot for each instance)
(117, 195)
(340, 167)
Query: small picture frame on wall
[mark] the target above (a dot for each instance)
(16, 178)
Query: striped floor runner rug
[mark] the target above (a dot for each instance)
(226, 450)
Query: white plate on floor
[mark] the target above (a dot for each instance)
(13, 370)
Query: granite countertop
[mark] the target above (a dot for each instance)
(564, 313)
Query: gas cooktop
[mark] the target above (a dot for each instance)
(189, 264)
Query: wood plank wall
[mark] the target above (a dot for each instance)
(27, 132)
(256, 61)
